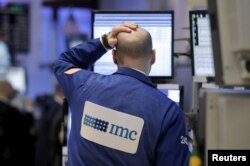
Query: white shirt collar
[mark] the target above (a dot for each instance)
(139, 71)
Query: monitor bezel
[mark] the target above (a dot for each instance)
(155, 79)
(193, 12)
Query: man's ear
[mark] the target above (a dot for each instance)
(153, 58)
(114, 56)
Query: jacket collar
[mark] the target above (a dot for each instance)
(135, 74)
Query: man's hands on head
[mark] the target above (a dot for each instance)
(111, 38)
(126, 27)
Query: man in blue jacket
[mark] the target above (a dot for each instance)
(120, 119)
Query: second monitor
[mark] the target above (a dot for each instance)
(159, 25)
(173, 91)
(201, 44)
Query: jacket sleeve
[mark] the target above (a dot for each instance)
(82, 56)
(172, 148)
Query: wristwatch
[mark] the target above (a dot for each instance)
(105, 41)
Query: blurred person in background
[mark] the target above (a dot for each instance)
(49, 137)
(16, 141)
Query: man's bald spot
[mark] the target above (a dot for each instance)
(136, 44)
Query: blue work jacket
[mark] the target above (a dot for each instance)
(129, 94)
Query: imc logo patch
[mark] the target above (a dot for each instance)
(111, 128)
(102, 125)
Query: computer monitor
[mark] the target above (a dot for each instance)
(17, 77)
(160, 26)
(173, 91)
(15, 25)
(201, 44)
(231, 41)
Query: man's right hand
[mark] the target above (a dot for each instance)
(126, 27)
